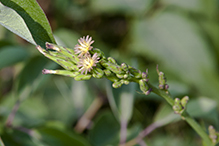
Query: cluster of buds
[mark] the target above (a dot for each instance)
(84, 62)
(180, 105)
(213, 134)
(162, 81)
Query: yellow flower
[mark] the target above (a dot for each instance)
(86, 63)
(84, 46)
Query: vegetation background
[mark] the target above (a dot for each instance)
(179, 35)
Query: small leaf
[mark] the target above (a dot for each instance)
(11, 55)
(34, 18)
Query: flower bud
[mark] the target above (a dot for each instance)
(97, 73)
(117, 84)
(82, 77)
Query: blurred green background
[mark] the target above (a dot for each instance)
(182, 36)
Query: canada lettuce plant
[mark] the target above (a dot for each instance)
(84, 62)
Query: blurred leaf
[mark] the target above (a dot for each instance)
(11, 55)
(31, 112)
(135, 7)
(29, 74)
(56, 137)
(18, 138)
(171, 140)
(1, 142)
(105, 130)
(194, 5)
(34, 18)
(202, 107)
(68, 37)
(175, 42)
(126, 101)
(14, 22)
(165, 115)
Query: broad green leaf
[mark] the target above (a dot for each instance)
(34, 18)
(175, 41)
(55, 137)
(11, 55)
(135, 7)
(11, 20)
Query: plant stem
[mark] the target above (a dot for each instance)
(185, 116)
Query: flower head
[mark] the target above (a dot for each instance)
(84, 46)
(87, 63)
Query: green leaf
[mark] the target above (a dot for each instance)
(11, 55)
(135, 7)
(105, 130)
(28, 76)
(11, 20)
(165, 115)
(56, 137)
(68, 37)
(175, 41)
(203, 108)
(34, 18)
(127, 101)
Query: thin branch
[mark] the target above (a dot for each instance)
(12, 114)
(85, 120)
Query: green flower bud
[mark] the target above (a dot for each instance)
(126, 76)
(120, 76)
(62, 51)
(97, 73)
(124, 67)
(162, 80)
(177, 106)
(126, 82)
(67, 65)
(184, 101)
(113, 78)
(112, 67)
(213, 134)
(143, 86)
(82, 77)
(117, 84)
(136, 73)
(107, 72)
(100, 53)
(112, 60)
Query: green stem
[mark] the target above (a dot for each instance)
(185, 116)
